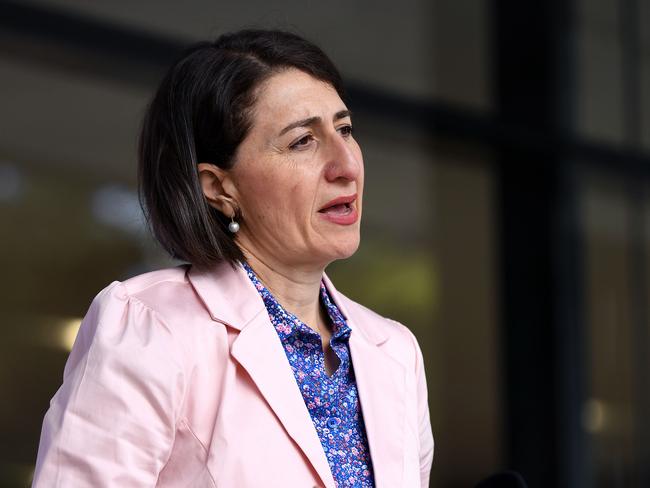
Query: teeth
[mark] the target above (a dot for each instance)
(340, 206)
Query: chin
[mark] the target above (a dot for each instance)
(344, 250)
(332, 246)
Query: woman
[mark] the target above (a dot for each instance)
(245, 368)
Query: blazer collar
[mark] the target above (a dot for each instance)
(227, 293)
(231, 299)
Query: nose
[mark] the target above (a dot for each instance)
(343, 162)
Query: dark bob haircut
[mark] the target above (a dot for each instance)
(201, 112)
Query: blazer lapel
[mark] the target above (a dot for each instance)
(381, 382)
(259, 350)
(232, 299)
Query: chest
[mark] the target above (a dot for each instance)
(244, 420)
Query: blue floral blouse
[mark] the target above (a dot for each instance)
(333, 402)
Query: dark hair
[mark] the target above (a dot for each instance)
(201, 113)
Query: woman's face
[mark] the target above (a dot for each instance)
(298, 174)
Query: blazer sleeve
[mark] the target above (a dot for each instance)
(424, 422)
(112, 422)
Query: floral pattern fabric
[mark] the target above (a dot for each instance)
(333, 402)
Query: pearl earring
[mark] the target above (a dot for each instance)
(233, 226)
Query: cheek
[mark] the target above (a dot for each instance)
(276, 196)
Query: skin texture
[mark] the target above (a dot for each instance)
(279, 182)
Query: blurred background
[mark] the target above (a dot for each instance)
(506, 216)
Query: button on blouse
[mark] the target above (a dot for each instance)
(332, 402)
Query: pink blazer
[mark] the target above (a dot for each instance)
(178, 379)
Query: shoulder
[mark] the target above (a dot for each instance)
(126, 325)
(148, 291)
(156, 286)
(165, 292)
(159, 305)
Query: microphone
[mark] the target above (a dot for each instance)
(505, 479)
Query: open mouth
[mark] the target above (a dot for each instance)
(338, 209)
(341, 210)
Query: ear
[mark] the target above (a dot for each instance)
(213, 181)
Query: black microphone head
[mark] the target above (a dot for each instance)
(506, 479)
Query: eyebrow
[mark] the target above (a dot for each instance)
(312, 120)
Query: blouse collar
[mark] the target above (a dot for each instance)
(286, 323)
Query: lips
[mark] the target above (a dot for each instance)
(339, 204)
(341, 210)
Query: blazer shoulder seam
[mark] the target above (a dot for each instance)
(140, 283)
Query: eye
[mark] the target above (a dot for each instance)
(302, 142)
(346, 130)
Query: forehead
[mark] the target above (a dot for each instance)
(293, 94)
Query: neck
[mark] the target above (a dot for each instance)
(296, 289)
